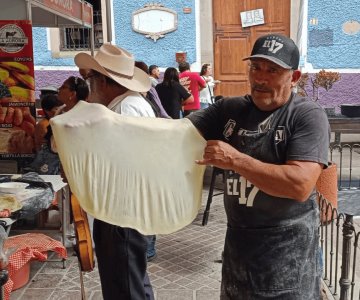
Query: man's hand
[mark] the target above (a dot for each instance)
(293, 179)
(219, 154)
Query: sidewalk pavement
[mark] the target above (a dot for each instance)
(188, 265)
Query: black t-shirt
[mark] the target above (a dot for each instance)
(171, 98)
(299, 130)
(303, 121)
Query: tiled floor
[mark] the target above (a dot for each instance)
(187, 267)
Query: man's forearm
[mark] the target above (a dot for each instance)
(294, 180)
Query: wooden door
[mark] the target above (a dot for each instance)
(232, 42)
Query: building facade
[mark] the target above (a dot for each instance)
(327, 32)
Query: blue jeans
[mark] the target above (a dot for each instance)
(150, 250)
(204, 105)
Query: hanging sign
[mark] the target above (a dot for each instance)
(17, 90)
(252, 17)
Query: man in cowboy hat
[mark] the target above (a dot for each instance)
(121, 252)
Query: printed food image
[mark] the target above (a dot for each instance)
(4, 90)
(15, 140)
(4, 74)
(19, 138)
(21, 94)
(16, 77)
(17, 123)
(25, 79)
(15, 66)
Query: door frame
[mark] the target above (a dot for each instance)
(298, 28)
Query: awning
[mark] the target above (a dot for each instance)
(49, 13)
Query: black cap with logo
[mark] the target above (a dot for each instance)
(278, 49)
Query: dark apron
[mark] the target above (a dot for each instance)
(271, 244)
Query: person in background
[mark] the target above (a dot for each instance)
(159, 111)
(50, 104)
(272, 146)
(193, 83)
(72, 91)
(172, 94)
(48, 90)
(116, 83)
(46, 162)
(207, 94)
(152, 95)
(154, 73)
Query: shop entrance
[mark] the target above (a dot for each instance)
(232, 42)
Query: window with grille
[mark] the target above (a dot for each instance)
(75, 39)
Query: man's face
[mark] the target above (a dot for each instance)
(270, 84)
(155, 73)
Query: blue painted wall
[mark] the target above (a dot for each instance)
(42, 56)
(328, 46)
(162, 52)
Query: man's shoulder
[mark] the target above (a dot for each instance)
(154, 81)
(301, 103)
(195, 75)
(135, 104)
(232, 106)
(43, 123)
(236, 101)
(132, 96)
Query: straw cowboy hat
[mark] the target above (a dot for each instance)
(117, 64)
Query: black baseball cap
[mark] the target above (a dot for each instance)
(277, 48)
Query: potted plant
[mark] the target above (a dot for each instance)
(327, 186)
(322, 79)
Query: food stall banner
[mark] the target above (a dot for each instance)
(77, 11)
(17, 90)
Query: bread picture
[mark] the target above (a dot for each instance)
(20, 83)
(4, 74)
(4, 91)
(15, 66)
(15, 140)
(17, 121)
(25, 79)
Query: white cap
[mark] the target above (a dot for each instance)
(49, 88)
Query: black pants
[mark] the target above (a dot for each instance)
(121, 257)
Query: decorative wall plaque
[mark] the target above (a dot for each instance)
(154, 21)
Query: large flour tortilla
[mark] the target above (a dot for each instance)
(8, 201)
(131, 171)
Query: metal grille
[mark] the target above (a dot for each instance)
(78, 39)
(339, 243)
(347, 158)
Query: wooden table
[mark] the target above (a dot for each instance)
(343, 125)
(62, 194)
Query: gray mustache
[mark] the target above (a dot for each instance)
(260, 88)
